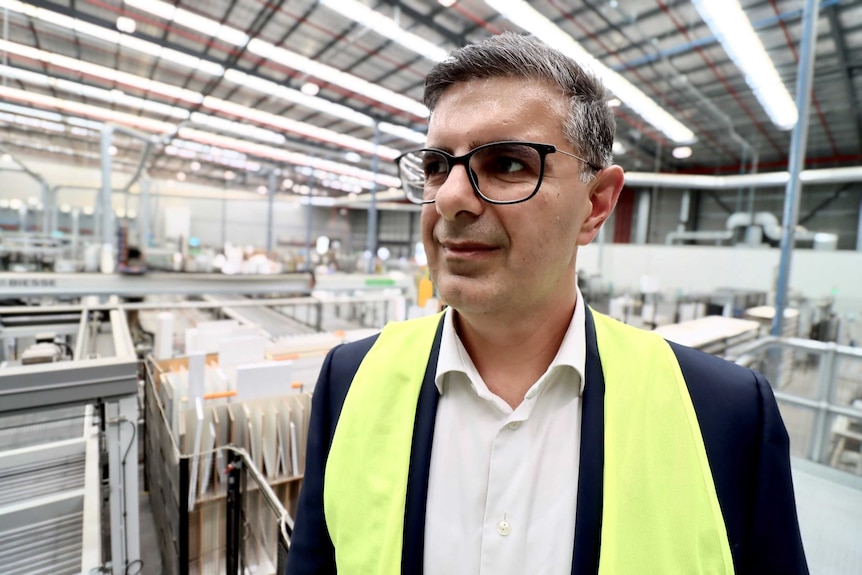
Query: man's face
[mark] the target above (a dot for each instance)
(492, 259)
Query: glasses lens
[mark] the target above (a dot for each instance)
(507, 172)
(422, 173)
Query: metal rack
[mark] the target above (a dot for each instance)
(242, 523)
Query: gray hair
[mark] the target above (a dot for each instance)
(589, 126)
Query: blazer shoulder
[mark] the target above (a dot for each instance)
(339, 368)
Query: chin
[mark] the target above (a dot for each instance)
(466, 295)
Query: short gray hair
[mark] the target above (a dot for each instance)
(589, 126)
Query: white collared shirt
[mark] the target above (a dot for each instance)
(503, 484)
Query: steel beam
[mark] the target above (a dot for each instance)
(846, 79)
(53, 284)
(44, 386)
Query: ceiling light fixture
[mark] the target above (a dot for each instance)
(733, 29)
(126, 24)
(528, 18)
(308, 130)
(386, 27)
(189, 137)
(329, 74)
(682, 152)
(113, 37)
(286, 157)
(201, 24)
(195, 166)
(242, 129)
(293, 60)
(262, 190)
(176, 93)
(181, 176)
(310, 89)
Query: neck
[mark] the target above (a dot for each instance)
(511, 354)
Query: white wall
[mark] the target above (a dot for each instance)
(692, 269)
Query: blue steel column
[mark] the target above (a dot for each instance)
(309, 220)
(106, 212)
(144, 235)
(371, 241)
(271, 194)
(797, 157)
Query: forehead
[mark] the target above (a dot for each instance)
(493, 109)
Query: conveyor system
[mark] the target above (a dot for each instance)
(52, 476)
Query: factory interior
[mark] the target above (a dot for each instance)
(198, 200)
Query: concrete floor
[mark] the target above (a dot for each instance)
(829, 503)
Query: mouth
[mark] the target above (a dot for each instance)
(467, 249)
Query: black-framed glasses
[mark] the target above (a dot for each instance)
(500, 172)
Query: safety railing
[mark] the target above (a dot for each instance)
(820, 395)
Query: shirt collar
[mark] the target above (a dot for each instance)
(453, 356)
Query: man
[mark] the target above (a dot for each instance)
(522, 433)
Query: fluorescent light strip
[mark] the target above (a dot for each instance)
(298, 62)
(87, 110)
(528, 18)
(307, 130)
(32, 122)
(110, 96)
(733, 29)
(162, 128)
(385, 27)
(173, 92)
(296, 97)
(337, 77)
(191, 20)
(113, 37)
(22, 110)
(268, 119)
(238, 128)
(294, 158)
(117, 97)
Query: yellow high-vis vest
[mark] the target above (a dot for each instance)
(660, 511)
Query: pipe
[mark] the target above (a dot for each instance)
(859, 227)
(144, 236)
(797, 157)
(270, 190)
(704, 235)
(371, 240)
(760, 180)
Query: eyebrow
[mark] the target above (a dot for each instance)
(473, 144)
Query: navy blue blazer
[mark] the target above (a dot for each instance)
(746, 444)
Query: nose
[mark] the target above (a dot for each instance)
(456, 195)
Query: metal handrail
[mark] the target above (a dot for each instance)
(823, 404)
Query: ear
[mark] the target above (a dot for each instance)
(604, 191)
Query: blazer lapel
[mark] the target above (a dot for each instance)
(413, 550)
(588, 519)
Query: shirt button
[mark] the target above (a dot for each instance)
(504, 528)
(514, 425)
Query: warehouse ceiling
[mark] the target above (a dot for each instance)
(230, 91)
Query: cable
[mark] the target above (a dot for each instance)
(123, 467)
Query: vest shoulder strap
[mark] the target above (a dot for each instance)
(660, 511)
(365, 480)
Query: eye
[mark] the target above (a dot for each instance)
(434, 165)
(507, 165)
